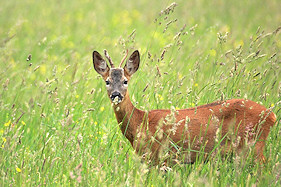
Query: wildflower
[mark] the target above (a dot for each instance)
(102, 108)
(180, 76)
(23, 123)
(1, 131)
(43, 69)
(95, 123)
(192, 104)
(213, 52)
(18, 170)
(238, 43)
(196, 85)
(4, 140)
(272, 105)
(160, 97)
(77, 96)
(7, 124)
(225, 28)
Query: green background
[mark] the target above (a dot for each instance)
(57, 126)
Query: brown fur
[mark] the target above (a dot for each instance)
(163, 134)
(236, 118)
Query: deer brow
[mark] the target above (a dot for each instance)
(116, 74)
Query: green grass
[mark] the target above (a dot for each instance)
(62, 129)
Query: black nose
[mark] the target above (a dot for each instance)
(116, 94)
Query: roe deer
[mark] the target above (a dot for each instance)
(237, 122)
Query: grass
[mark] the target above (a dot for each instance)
(57, 126)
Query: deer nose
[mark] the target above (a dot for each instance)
(116, 94)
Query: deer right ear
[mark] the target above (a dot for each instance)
(100, 64)
(133, 63)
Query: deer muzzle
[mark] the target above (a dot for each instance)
(116, 97)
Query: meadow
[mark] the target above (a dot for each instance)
(57, 126)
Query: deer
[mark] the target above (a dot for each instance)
(170, 134)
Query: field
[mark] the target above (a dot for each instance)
(57, 126)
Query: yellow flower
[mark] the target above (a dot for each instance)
(43, 69)
(4, 140)
(225, 28)
(160, 97)
(213, 52)
(7, 124)
(136, 14)
(77, 96)
(180, 76)
(95, 123)
(123, 17)
(272, 105)
(192, 104)
(1, 131)
(102, 108)
(23, 123)
(195, 84)
(18, 170)
(238, 43)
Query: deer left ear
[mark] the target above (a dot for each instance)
(100, 64)
(132, 64)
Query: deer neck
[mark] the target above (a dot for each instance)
(128, 117)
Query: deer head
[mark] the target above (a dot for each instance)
(116, 79)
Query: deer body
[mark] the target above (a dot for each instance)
(232, 124)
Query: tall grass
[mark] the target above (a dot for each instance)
(57, 126)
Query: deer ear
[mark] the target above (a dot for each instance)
(100, 64)
(132, 64)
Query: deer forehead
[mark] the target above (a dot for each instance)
(116, 74)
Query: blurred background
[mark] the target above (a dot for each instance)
(54, 110)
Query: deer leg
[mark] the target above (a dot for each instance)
(259, 152)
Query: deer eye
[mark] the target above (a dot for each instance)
(125, 82)
(107, 83)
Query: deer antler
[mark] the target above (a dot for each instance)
(108, 58)
(124, 58)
